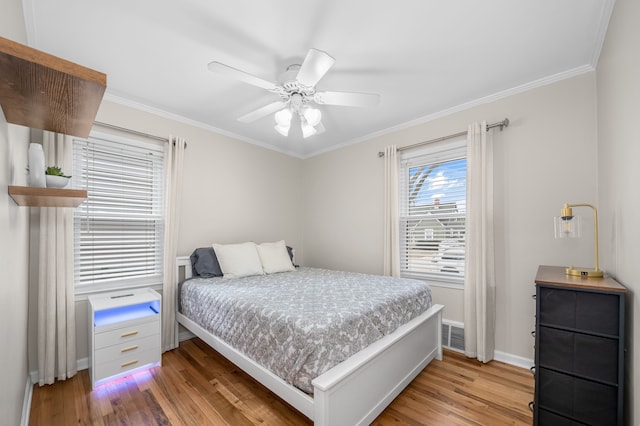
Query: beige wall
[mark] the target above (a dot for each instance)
(545, 158)
(619, 174)
(14, 227)
(233, 191)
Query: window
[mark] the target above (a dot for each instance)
(119, 229)
(432, 213)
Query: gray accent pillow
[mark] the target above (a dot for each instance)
(290, 251)
(204, 263)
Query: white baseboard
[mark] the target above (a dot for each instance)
(185, 335)
(81, 364)
(26, 404)
(516, 360)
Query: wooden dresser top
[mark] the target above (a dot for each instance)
(555, 275)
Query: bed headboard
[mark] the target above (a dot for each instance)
(183, 268)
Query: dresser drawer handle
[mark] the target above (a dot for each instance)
(131, 333)
(129, 363)
(130, 348)
(532, 406)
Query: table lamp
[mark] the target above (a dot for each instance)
(568, 226)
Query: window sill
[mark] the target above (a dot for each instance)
(435, 282)
(453, 286)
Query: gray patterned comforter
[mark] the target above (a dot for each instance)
(300, 324)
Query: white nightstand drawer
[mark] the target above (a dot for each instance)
(127, 350)
(123, 364)
(127, 334)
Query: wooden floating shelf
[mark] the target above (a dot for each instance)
(47, 197)
(42, 91)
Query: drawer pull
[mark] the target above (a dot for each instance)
(131, 333)
(130, 348)
(532, 406)
(126, 364)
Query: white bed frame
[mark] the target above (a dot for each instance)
(357, 390)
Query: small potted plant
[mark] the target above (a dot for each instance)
(55, 177)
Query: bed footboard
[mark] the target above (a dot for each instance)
(356, 391)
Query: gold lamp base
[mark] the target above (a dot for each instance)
(584, 272)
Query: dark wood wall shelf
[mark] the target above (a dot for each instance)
(47, 197)
(42, 91)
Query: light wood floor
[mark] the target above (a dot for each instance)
(197, 386)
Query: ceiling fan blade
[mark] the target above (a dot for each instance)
(347, 99)
(314, 67)
(223, 69)
(262, 112)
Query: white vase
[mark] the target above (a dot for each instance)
(36, 166)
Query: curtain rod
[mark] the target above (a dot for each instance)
(133, 132)
(501, 124)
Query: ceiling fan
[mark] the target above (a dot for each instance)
(297, 92)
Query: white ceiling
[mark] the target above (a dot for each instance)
(422, 56)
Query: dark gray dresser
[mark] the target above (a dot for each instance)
(579, 350)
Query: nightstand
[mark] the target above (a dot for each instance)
(580, 349)
(124, 333)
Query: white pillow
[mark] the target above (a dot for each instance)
(275, 257)
(238, 260)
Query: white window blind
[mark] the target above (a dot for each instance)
(119, 229)
(432, 214)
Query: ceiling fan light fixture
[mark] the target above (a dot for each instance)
(312, 115)
(283, 130)
(283, 118)
(307, 130)
(296, 91)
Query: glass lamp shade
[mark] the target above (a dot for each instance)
(567, 227)
(283, 118)
(313, 116)
(307, 130)
(283, 130)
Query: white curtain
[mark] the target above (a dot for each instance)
(391, 215)
(479, 284)
(174, 159)
(56, 301)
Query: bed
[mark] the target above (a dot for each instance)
(354, 382)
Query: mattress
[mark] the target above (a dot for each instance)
(300, 324)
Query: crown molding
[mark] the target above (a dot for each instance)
(111, 97)
(462, 107)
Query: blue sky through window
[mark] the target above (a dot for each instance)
(445, 184)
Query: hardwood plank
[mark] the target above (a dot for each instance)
(165, 403)
(196, 385)
(91, 400)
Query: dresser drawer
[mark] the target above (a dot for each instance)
(580, 354)
(551, 419)
(579, 310)
(125, 351)
(124, 364)
(585, 401)
(127, 334)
